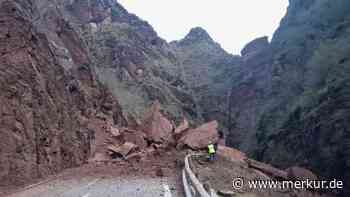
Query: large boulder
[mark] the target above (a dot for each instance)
(135, 137)
(300, 174)
(184, 125)
(133, 122)
(157, 127)
(181, 129)
(134, 157)
(267, 169)
(222, 142)
(200, 137)
(231, 154)
(115, 132)
(122, 150)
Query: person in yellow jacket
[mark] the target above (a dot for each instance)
(211, 151)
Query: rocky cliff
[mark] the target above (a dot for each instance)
(292, 105)
(249, 95)
(311, 78)
(284, 102)
(69, 69)
(50, 99)
(208, 70)
(130, 58)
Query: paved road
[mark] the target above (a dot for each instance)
(102, 187)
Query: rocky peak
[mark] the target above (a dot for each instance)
(197, 34)
(256, 45)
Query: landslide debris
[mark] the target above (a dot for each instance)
(155, 135)
(231, 164)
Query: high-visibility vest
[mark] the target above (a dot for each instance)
(211, 149)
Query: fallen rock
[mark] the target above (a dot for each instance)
(135, 137)
(133, 123)
(158, 146)
(231, 154)
(123, 150)
(99, 157)
(226, 193)
(150, 151)
(267, 169)
(261, 174)
(222, 142)
(115, 131)
(101, 116)
(200, 137)
(182, 127)
(157, 127)
(300, 174)
(134, 157)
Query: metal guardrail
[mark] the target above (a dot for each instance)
(192, 186)
(187, 188)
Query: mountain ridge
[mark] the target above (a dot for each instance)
(284, 102)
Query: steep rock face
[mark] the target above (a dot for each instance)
(130, 58)
(248, 98)
(53, 107)
(208, 70)
(314, 130)
(48, 95)
(298, 101)
(200, 57)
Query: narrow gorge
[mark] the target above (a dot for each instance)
(69, 66)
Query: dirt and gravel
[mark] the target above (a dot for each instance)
(219, 174)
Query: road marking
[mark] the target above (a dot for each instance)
(87, 195)
(93, 182)
(41, 183)
(167, 192)
(90, 184)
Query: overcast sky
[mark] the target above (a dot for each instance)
(232, 23)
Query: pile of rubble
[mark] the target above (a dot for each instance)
(230, 163)
(292, 173)
(155, 132)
